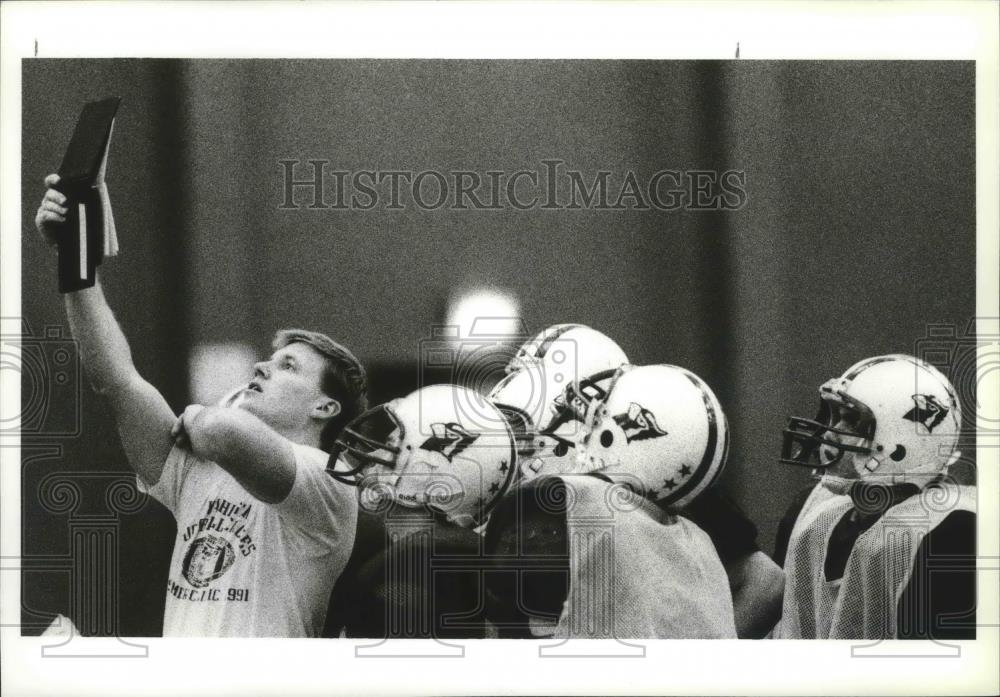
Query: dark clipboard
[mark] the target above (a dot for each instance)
(82, 238)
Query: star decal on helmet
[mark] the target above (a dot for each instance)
(638, 423)
(669, 484)
(449, 439)
(685, 470)
(927, 410)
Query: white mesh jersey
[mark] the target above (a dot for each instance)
(863, 603)
(637, 572)
(244, 568)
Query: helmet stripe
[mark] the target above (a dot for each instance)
(865, 365)
(549, 340)
(512, 470)
(696, 480)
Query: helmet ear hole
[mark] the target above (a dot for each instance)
(607, 438)
(899, 453)
(560, 450)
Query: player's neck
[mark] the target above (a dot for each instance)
(305, 435)
(873, 500)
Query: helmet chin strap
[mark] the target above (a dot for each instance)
(871, 465)
(874, 498)
(463, 520)
(874, 462)
(837, 484)
(870, 477)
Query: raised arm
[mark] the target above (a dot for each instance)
(258, 457)
(143, 416)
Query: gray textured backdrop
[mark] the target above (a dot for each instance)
(858, 233)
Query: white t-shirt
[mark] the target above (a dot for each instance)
(244, 568)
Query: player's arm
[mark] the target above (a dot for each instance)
(142, 414)
(258, 457)
(758, 585)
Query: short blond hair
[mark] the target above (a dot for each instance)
(344, 378)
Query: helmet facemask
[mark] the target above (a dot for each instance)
(425, 451)
(372, 438)
(566, 424)
(537, 452)
(547, 424)
(843, 426)
(896, 418)
(537, 398)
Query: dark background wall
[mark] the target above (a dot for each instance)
(858, 233)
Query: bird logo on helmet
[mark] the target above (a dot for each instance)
(533, 395)
(639, 423)
(449, 439)
(441, 447)
(927, 410)
(888, 419)
(660, 430)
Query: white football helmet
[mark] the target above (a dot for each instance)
(659, 430)
(896, 418)
(443, 447)
(567, 349)
(533, 394)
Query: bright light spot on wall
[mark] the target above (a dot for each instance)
(484, 328)
(485, 313)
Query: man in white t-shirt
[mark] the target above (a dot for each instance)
(262, 531)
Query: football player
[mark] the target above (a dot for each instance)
(432, 465)
(533, 396)
(883, 546)
(601, 552)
